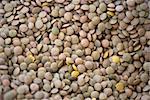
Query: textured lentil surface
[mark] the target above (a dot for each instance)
(74, 49)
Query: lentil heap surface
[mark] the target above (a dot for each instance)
(75, 49)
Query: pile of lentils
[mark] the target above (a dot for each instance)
(75, 50)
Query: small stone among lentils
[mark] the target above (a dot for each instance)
(74, 49)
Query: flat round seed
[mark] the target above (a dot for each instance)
(8, 7)
(68, 16)
(95, 94)
(55, 31)
(10, 95)
(97, 87)
(126, 57)
(12, 33)
(101, 27)
(96, 20)
(24, 10)
(59, 1)
(57, 83)
(120, 87)
(85, 7)
(18, 50)
(109, 70)
(34, 87)
(102, 96)
(81, 68)
(39, 95)
(115, 59)
(119, 8)
(84, 42)
(58, 42)
(75, 1)
(39, 24)
(95, 55)
(105, 43)
(23, 28)
(75, 74)
(130, 2)
(146, 66)
(144, 77)
(47, 87)
(88, 64)
(102, 7)
(42, 14)
(55, 13)
(103, 16)
(108, 91)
